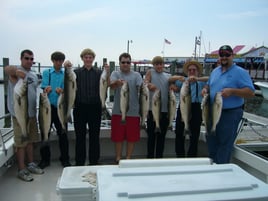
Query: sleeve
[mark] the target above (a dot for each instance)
(113, 76)
(45, 79)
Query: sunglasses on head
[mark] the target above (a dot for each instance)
(125, 62)
(29, 58)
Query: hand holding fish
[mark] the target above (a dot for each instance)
(48, 89)
(192, 78)
(107, 68)
(59, 90)
(20, 74)
(204, 91)
(151, 87)
(226, 92)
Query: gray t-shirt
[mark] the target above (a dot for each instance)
(134, 80)
(160, 80)
(32, 81)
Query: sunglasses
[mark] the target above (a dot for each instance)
(225, 54)
(28, 58)
(125, 62)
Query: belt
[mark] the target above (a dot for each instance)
(234, 108)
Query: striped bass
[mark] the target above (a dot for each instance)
(103, 87)
(216, 111)
(21, 106)
(205, 107)
(67, 98)
(185, 105)
(44, 116)
(144, 103)
(124, 101)
(156, 109)
(171, 108)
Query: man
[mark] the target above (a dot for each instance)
(52, 84)
(234, 84)
(130, 129)
(87, 109)
(24, 145)
(193, 70)
(157, 79)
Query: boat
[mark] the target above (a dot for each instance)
(50, 186)
(264, 88)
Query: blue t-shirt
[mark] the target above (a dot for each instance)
(55, 79)
(196, 88)
(234, 77)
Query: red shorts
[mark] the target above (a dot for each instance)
(130, 131)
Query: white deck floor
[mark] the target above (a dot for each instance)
(43, 188)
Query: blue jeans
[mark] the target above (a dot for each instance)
(220, 146)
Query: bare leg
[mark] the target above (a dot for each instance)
(118, 150)
(130, 148)
(20, 154)
(29, 152)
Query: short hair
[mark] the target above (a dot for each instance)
(57, 56)
(87, 51)
(157, 59)
(125, 55)
(30, 52)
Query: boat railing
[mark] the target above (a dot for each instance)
(5, 134)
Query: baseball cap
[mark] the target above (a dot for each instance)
(226, 48)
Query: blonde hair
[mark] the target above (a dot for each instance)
(157, 60)
(87, 51)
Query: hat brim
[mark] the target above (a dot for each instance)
(196, 63)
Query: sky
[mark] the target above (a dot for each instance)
(106, 26)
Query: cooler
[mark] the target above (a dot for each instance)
(175, 183)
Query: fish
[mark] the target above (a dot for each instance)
(156, 109)
(206, 115)
(44, 116)
(144, 103)
(171, 108)
(185, 106)
(20, 98)
(103, 87)
(216, 111)
(67, 98)
(124, 101)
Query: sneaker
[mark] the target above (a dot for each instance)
(25, 175)
(33, 168)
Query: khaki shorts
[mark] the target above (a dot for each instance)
(32, 135)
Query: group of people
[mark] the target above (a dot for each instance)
(232, 81)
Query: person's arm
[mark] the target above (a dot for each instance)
(147, 80)
(203, 79)
(14, 73)
(175, 78)
(244, 92)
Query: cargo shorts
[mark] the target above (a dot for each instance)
(32, 132)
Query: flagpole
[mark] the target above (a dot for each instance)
(163, 50)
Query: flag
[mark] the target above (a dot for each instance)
(167, 41)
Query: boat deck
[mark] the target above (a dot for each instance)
(43, 188)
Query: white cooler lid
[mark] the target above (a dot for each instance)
(71, 181)
(191, 183)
